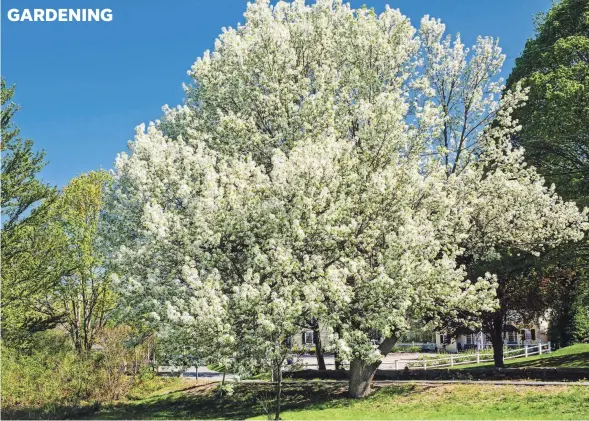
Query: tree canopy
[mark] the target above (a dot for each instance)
(28, 248)
(555, 121)
(329, 163)
(554, 67)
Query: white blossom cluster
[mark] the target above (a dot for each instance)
(329, 163)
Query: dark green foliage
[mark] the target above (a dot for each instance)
(555, 121)
(21, 190)
(555, 134)
(28, 248)
(579, 331)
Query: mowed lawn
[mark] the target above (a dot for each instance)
(314, 400)
(574, 356)
(324, 400)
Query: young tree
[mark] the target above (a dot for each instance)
(330, 164)
(83, 294)
(30, 251)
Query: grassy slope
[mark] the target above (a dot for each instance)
(328, 401)
(574, 356)
(314, 400)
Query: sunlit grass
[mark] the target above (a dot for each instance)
(574, 356)
(329, 401)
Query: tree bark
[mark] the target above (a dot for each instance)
(336, 356)
(362, 373)
(318, 347)
(497, 341)
(338, 361)
(278, 391)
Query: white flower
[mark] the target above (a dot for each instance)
(329, 163)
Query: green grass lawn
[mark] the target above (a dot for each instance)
(314, 400)
(574, 356)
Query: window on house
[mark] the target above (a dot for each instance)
(512, 337)
(470, 339)
(444, 338)
(308, 337)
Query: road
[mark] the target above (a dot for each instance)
(307, 361)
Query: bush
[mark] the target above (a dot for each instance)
(116, 361)
(296, 350)
(52, 380)
(224, 389)
(47, 381)
(408, 349)
(147, 383)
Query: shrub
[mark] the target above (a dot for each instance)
(52, 380)
(146, 383)
(408, 349)
(115, 361)
(224, 389)
(46, 382)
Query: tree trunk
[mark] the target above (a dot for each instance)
(318, 347)
(497, 341)
(336, 356)
(361, 373)
(338, 361)
(278, 391)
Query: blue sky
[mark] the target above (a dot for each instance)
(83, 87)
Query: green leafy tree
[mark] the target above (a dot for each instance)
(29, 257)
(567, 294)
(555, 134)
(555, 122)
(83, 295)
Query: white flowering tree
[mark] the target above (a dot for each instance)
(329, 163)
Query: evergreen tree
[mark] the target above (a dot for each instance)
(28, 250)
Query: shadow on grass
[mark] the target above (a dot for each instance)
(248, 400)
(578, 360)
(55, 412)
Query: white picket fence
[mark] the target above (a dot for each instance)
(451, 360)
(424, 345)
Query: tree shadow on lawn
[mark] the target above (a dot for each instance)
(248, 400)
(49, 412)
(578, 360)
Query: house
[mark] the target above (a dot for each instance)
(414, 337)
(513, 336)
(304, 341)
